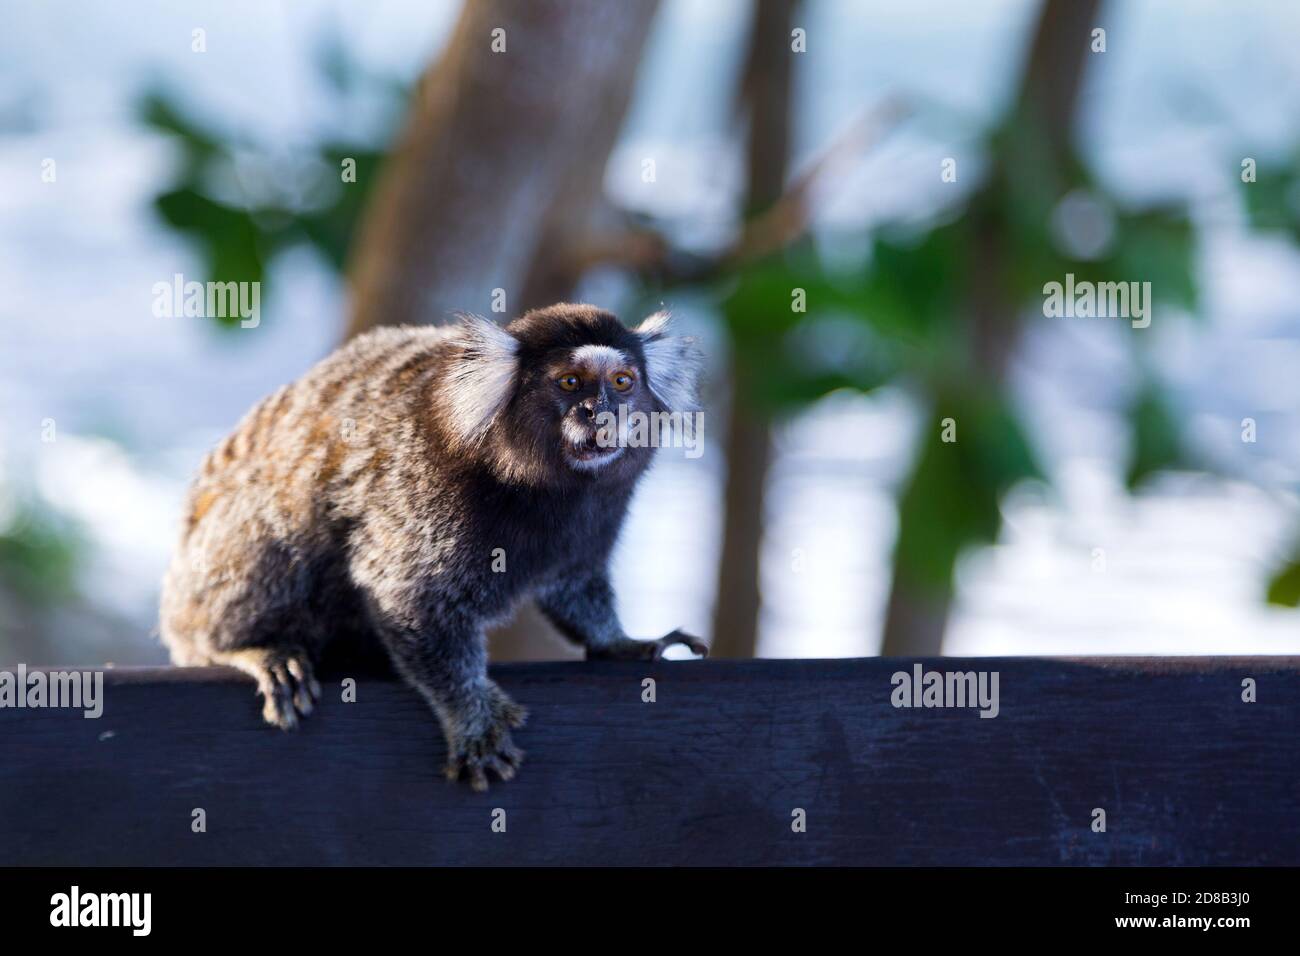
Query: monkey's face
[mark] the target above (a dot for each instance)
(583, 390)
(598, 394)
(568, 392)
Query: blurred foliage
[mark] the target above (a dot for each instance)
(39, 554)
(1157, 444)
(903, 316)
(1273, 200)
(1273, 204)
(951, 501)
(911, 304)
(803, 355)
(242, 204)
(1284, 589)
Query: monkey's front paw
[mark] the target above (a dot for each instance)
(632, 650)
(689, 641)
(474, 753)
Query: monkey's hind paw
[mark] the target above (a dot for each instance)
(511, 713)
(289, 688)
(475, 756)
(472, 755)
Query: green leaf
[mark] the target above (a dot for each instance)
(1271, 201)
(1284, 588)
(912, 286)
(951, 501)
(39, 554)
(1157, 443)
(234, 246)
(237, 242)
(200, 144)
(331, 230)
(1157, 246)
(775, 347)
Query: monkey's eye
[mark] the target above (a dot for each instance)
(569, 382)
(622, 380)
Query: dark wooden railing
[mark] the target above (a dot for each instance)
(719, 769)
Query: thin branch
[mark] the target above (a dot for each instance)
(649, 253)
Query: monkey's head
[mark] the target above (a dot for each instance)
(567, 393)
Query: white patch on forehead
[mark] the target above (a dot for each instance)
(603, 357)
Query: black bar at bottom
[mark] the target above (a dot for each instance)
(976, 904)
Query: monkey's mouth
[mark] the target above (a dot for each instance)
(590, 453)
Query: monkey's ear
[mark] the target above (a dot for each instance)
(480, 376)
(672, 362)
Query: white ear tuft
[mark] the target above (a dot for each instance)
(672, 362)
(656, 325)
(480, 375)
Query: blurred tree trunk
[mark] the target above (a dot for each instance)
(501, 160)
(916, 616)
(765, 95)
(496, 177)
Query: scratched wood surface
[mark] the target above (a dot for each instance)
(709, 774)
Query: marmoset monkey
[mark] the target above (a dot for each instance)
(408, 491)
